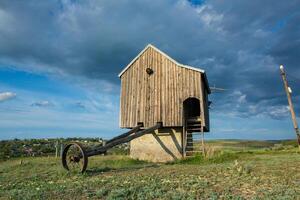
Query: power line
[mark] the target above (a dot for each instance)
(293, 77)
(294, 81)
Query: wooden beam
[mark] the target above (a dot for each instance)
(122, 140)
(135, 129)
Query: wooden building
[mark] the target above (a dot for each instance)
(156, 88)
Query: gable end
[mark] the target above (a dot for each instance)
(156, 49)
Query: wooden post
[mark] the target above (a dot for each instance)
(202, 140)
(61, 149)
(184, 139)
(56, 149)
(288, 93)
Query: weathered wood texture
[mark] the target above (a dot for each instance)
(159, 97)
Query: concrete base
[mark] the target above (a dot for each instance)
(162, 145)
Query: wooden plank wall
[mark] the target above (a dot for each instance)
(158, 97)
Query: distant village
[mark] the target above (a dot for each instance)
(48, 147)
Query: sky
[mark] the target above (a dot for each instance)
(59, 61)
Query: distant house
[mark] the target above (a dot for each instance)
(156, 88)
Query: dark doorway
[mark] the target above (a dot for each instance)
(191, 108)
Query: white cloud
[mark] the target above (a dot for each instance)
(7, 96)
(239, 96)
(209, 16)
(42, 104)
(242, 98)
(279, 111)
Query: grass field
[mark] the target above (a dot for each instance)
(230, 174)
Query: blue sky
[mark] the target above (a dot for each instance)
(59, 62)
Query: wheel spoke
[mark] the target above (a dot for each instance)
(74, 158)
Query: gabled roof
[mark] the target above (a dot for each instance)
(177, 63)
(150, 45)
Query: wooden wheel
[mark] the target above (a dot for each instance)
(74, 158)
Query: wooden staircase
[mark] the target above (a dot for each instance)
(193, 136)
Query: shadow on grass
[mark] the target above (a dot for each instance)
(100, 170)
(221, 157)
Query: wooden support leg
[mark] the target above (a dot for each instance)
(202, 140)
(184, 141)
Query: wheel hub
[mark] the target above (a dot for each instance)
(75, 159)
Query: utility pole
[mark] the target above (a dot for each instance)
(288, 91)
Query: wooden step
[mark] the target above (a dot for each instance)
(194, 142)
(193, 120)
(194, 133)
(194, 145)
(191, 148)
(193, 130)
(193, 125)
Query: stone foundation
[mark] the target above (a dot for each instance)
(162, 145)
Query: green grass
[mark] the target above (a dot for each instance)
(250, 145)
(229, 174)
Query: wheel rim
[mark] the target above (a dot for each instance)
(74, 158)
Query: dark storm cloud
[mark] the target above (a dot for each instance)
(239, 43)
(263, 35)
